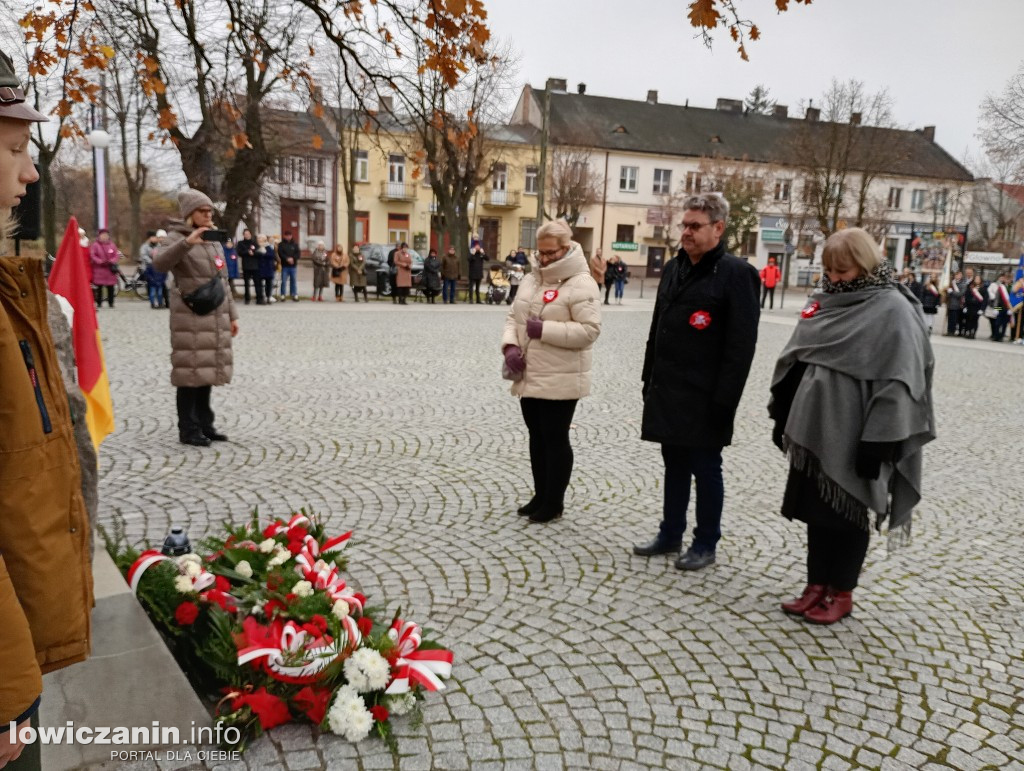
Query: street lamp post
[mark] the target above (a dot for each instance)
(99, 141)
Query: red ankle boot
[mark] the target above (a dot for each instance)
(812, 595)
(834, 607)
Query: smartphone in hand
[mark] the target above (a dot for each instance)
(220, 236)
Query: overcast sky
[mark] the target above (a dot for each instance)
(938, 58)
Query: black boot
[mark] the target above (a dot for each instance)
(530, 508)
(195, 439)
(214, 435)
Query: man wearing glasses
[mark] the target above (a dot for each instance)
(698, 357)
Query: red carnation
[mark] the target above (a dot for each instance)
(295, 546)
(365, 625)
(271, 605)
(270, 710)
(187, 613)
(380, 714)
(291, 597)
(271, 530)
(319, 622)
(297, 533)
(273, 583)
(222, 584)
(313, 702)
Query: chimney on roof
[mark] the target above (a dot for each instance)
(780, 111)
(855, 118)
(556, 84)
(652, 97)
(581, 89)
(385, 105)
(813, 113)
(729, 105)
(929, 133)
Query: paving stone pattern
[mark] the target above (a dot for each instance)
(570, 651)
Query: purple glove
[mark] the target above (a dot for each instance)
(514, 359)
(534, 328)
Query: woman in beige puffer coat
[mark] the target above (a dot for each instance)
(549, 334)
(200, 345)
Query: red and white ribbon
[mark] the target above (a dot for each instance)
(297, 520)
(145, 561)
(413, 666)
(315, 655)
(326, 578)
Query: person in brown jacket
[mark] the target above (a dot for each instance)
(200, 345)
(339, 272)
(403, 276)
(598, 266)
(450, 274)
(45, 574)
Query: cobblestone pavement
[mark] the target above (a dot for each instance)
(570, 651)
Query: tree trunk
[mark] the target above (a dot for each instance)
(135, 220)
(48, 200)
(350, 226)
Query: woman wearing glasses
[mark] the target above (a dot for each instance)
(549, 333)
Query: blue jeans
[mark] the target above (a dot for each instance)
(448, 290)
(619, 284)
(288, 276)
(156, 293)
(704, 464)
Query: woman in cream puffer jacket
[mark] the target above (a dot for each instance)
(549, 334)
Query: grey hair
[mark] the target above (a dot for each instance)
(713, 204)
(558, 229)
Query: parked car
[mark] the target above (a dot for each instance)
(377, 262)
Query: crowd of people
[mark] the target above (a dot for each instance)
(968, 299)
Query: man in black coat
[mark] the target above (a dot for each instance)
(289, 253)
(477, 259)
(698, 357)
(246, 250)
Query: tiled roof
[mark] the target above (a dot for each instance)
(601, 122)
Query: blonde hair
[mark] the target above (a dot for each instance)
(851, 247)
(8, 224)
(557, 229)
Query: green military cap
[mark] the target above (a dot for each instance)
(12, 97)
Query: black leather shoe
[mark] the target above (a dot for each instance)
(658, 546)
(695, 560)
(530, 508)
(545, 516)
(196, 440)
(214, 435)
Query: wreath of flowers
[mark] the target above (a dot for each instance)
(264, 619)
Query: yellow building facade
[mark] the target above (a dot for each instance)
(394, 201)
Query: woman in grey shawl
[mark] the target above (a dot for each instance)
(852, 405)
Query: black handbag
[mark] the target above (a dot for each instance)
(207, 298)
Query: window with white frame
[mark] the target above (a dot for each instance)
(694, 182)
(627, 178)
(396, 168)
(530, 186)
(662, 181)
(941, 200)
(315, 168)
(917, 199)
(398, 228)
(528, 233)
(895, 197)
(298, 170)
(282, 170)
(362, 165)
(782, 189)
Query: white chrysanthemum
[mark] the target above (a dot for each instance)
(340, 609)
(257, 610)
(192, 568)
(400, 703)
(190, 557)
(280, 557)
(366, 670)
(303, 589)
(348, 715)
(244, 569)
(268, 545)
(183, 584)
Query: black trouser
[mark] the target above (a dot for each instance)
(512, 294)
(31, 758)
(999, 324)
(835, 556)
(970, 326)
(953, 320)
(254, 277)
(194, 413)
(474, 289)
(97, 293)
(607, 291)
(769, 292)
(551, 457)
(339, 290)
(704, 466)
(268, 288)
